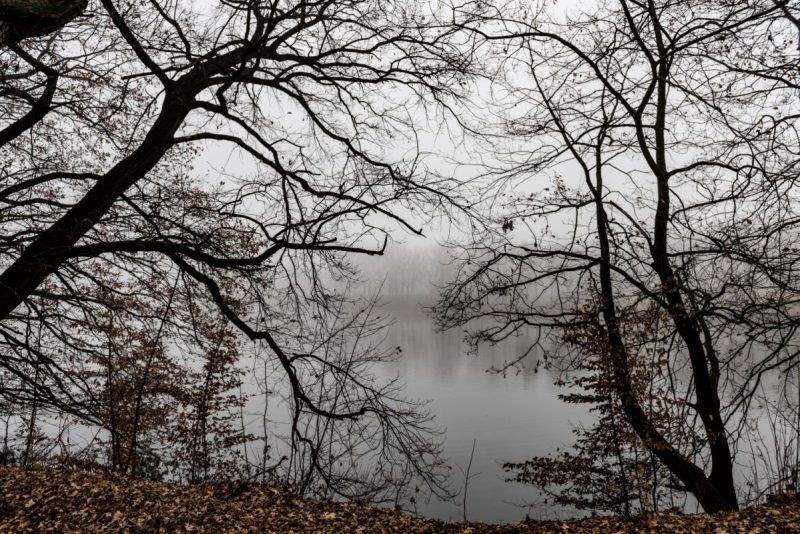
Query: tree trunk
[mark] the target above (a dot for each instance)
(20, 19)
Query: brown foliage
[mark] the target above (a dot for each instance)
(45, 500)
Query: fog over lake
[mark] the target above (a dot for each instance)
(376, 251)
(509, 418)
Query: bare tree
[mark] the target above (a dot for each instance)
(668, 133)
(119, 213)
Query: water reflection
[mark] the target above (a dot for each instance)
(510, 418)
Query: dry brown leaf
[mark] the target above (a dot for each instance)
(48, 500)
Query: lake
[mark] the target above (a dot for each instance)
(509, 418)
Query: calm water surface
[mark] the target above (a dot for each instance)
(509, 419)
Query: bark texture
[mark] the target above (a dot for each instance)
(20, 19)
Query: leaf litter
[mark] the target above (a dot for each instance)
(48, 500)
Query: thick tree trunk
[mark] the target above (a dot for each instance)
(707, 403)
(712, 494)
(716, 492)
(53, 246)
(20, 19)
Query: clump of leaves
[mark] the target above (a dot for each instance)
(608, 469)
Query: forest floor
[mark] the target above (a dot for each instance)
(64, 501)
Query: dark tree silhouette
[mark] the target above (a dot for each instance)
(20, 19)
(668, 132)
(119, 212)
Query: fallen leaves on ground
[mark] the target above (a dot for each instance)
(63, 501)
